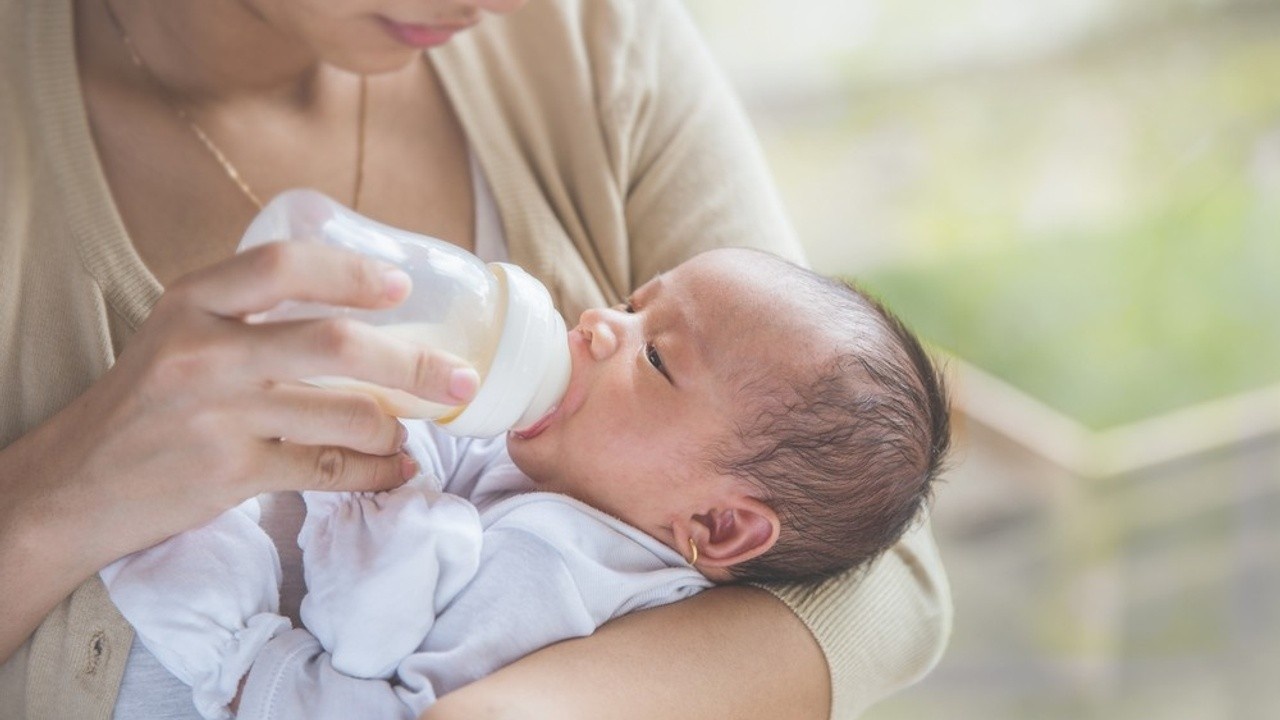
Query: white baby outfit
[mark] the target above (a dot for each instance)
(410, 593)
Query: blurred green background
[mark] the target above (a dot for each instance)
(1081, 200)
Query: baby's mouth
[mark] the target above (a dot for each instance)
(537, 427)
(572, 398)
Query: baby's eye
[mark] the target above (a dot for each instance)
(651, 354)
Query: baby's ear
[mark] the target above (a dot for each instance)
(743, 529)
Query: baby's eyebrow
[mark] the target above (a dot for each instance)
(652, 286)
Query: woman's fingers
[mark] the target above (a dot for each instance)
(314, 416)
(288, 351)
(216, 384)
(307, 467)
(259, 279)
(263, 277)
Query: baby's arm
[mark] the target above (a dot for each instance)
(522, 598)
(204, 602)
(551, 569)
(479, 470)
(379, 567)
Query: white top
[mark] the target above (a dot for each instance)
(490, 240)
(411, 593)
(433, 591)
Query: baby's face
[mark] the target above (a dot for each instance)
(656, 381)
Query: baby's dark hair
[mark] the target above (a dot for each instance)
(847, 453)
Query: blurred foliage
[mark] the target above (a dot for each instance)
(1181, 308)
(1082, 197)
(1096, 222)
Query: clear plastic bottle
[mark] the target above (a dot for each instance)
(496, 316)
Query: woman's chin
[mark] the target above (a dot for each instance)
(382, 63)
(380, 58)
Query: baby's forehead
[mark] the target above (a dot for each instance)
(732, 280)
(743, 305)
(763, 349)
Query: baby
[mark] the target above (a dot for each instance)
(739, 419)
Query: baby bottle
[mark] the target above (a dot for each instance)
(496, 316)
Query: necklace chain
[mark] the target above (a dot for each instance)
(180, 111)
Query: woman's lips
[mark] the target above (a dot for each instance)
(421, 36)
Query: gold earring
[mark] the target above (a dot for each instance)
(693, 560)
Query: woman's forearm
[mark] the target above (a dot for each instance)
(31, 587)
(731, 652)
(44, 554)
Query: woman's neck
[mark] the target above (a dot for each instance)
(212, 51)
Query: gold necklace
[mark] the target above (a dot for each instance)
(167, 96)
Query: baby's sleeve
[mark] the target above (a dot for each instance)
(294, 678)
(204, 602)
(379, 567)
(551, 569)
(523, 597)
(478, 469)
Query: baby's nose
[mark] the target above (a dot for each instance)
(601, 337)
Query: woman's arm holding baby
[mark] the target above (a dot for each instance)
(714, 646)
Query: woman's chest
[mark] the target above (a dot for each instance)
(186, 187)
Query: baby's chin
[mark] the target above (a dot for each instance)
(525, 459)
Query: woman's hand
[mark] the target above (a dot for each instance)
(201, 411)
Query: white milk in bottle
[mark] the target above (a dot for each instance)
(496, 317)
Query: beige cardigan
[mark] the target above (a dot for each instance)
(614, 149)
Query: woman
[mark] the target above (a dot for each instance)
(588, 140)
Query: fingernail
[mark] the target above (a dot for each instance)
(408, 466)
(395, 284)
(402, 435)
(463, 383)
